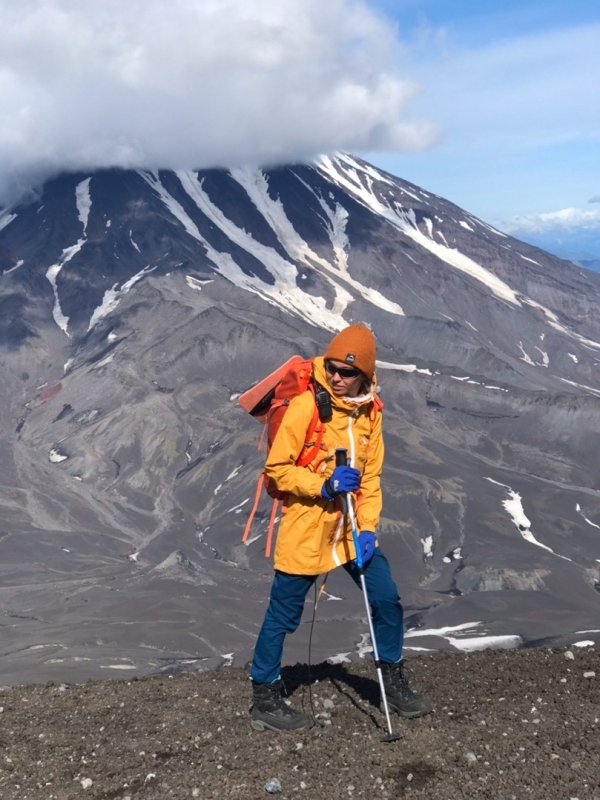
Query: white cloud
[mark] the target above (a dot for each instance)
(514, 92)
(555, 221)
(194, 83)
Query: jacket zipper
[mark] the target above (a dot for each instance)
(351, 445)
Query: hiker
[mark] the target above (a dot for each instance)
(314, 537)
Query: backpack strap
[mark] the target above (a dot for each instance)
(271, 527)
(259, 486)
(315, 429)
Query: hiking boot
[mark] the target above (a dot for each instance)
(270, 712)
(400, 696)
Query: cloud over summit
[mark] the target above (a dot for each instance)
(562, 220)
(194, 83)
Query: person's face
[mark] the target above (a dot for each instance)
(346, 384)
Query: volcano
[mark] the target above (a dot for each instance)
(137, 306)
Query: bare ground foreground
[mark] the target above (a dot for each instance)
(507, 725)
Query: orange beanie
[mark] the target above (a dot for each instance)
(355, 346)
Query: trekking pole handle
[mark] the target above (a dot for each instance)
(341, 457)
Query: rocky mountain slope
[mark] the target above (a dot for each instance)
(135, 309)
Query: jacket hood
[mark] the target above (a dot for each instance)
(347, 403)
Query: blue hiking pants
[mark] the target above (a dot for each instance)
(283, 615)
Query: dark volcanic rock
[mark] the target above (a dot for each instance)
(505, 725)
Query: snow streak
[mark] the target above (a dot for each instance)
(83, 203)
(468, 644)
(19, 263)
(112, 296)
(6, 218)
(579, 511)
(514, 506)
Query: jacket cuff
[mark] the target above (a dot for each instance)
(367, 525)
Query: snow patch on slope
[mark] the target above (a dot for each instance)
(83, 203)
(112, 296)
(19, 263)
(467, 643)
(133, 243)
(197, 283)
(529, 259)
(507, 642)
(579, 511)
(582, 386)
(525, 357)
(6, 217)
(514, 506)
(402, 367)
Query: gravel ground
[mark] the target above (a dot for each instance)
(507, 725)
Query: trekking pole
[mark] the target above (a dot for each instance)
(341, 459)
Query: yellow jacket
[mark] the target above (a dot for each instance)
(313, 537)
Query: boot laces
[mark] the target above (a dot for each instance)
(399, 680)
(276, 691)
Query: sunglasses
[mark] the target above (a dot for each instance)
(343, 372)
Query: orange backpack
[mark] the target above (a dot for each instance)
(267, 402)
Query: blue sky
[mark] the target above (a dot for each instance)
(514, 91)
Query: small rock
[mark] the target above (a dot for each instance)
(299, 745)
(589, 674)
(470, 758)
(569, 655)
(328, 704)
(86, 782)
(273, 786)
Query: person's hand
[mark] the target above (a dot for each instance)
(367, 541)
(343, 480)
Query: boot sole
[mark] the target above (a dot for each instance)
(261, 725)
(405, 714)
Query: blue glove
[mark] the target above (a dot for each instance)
(367, 541)
(342, 480)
